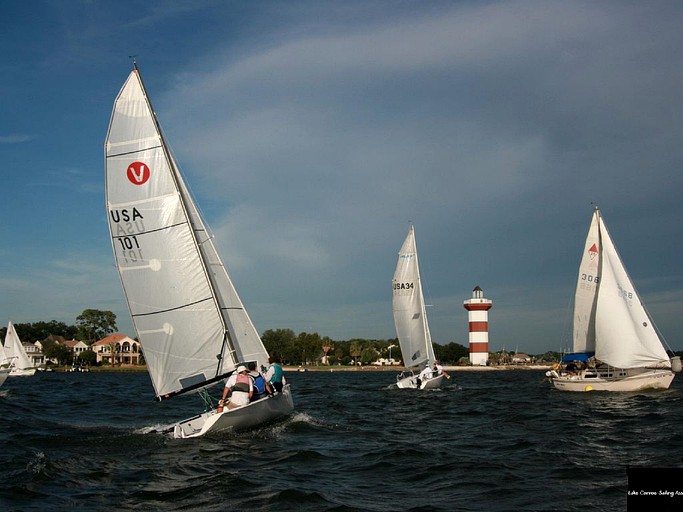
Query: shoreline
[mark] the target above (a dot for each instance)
(368, 368)
(304, 369)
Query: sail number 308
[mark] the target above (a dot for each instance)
(590, 278)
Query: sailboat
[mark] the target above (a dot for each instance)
(616, 345)
(192, 325)
(20, 364)
(410, 318)
(4, 365)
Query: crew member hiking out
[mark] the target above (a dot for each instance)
(241, 386)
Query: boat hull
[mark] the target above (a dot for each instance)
(433, 383)
(410, 382)
(16, 372)
(255, 414)
(4, 373)
(407, 382)
(618, 380)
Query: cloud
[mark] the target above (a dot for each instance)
(492, 126)
(16, 138)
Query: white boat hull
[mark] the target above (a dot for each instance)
(16, 372)
(410, 382)
(253, 415)
(616, 380)
(407, 382)
(433, 383)
(4, 373)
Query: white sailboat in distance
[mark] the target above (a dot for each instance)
(616, 345)
(410, 318)
(192, 325)
(19, 362)
(4, 365)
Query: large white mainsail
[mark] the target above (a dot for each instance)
(410, 316)
(625, 333)
(15, 352)
(190, 321)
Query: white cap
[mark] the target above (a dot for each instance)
(241, 368)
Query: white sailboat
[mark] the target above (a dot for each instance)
(410, 318)
(4, 365)
(20, 364)
(616, 346)
(191, 323)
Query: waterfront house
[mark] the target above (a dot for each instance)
(34, 353)
(126, 350)
(76, 346)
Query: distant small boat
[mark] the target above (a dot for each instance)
(616, 345)
(410, 318)
(192, 325)
(20, 364)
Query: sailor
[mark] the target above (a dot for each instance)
(241, 386)
(438, 370)
(261, 386)
(275, 375)
(425, 375)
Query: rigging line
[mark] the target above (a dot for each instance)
(206, 227)
(132, 152)
(173, 309)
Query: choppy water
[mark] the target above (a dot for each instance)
(493, 441)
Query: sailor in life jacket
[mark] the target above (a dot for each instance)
(275, 375)
(261, 386)
(241, 386)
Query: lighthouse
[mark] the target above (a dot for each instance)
(478, 315)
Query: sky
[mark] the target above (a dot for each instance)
(313, 132)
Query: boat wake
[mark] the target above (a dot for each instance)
(155, 429)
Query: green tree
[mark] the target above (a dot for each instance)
(309, 347)
(88, 357)
(38, 331)
(278, 341)
(356, 349)
(368, 355)
(94, 324)
(57, 352)
(451, 352)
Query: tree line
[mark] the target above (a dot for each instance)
(91, 325)
(311, 348)
(293, 349)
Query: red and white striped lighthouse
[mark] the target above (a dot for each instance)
(478, 315)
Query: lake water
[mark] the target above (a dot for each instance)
(489, 441)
